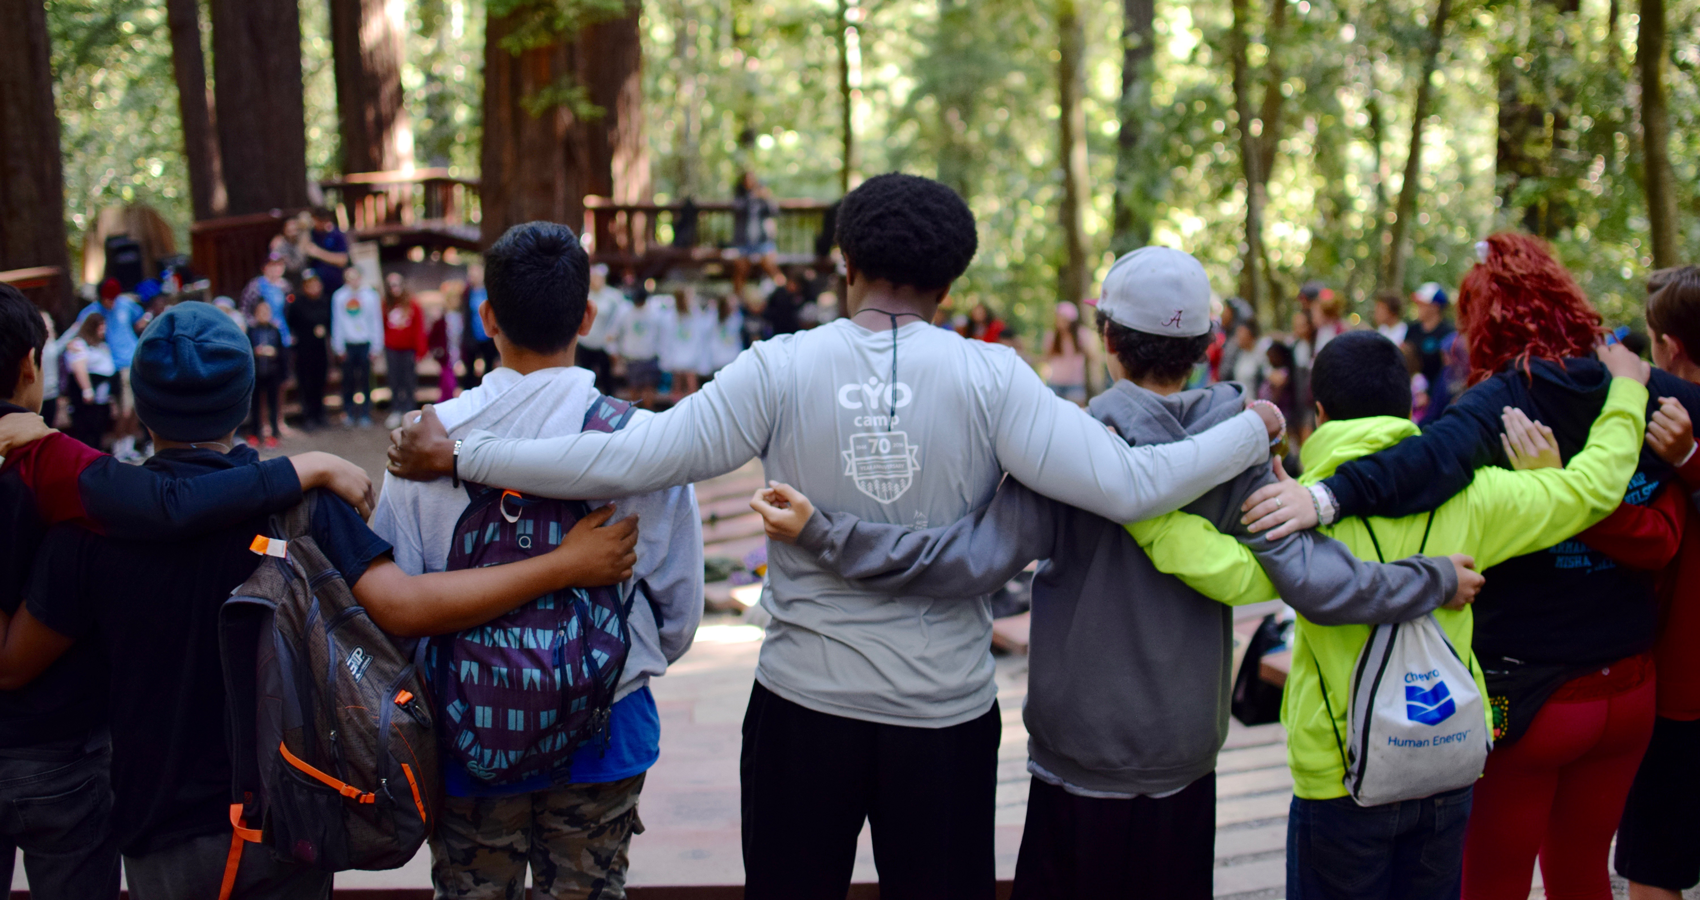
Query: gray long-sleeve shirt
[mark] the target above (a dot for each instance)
(1129, 676)
(919, 435)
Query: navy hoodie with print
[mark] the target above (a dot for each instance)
(1569, 604)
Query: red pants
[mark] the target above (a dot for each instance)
(1558, 792)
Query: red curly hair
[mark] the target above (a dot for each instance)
(1521, 304)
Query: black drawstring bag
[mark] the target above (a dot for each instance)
(1255, 701)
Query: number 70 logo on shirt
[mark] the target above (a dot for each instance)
(883, 463)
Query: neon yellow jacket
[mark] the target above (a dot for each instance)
(1500, 515)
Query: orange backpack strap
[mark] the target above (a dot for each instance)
(347, 790)
(239, 835)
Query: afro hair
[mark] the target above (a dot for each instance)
(908, 230)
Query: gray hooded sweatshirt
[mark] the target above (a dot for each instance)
(910, 427)
(1129, 676)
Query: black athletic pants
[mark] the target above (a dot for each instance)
(600, 364)
(268, 389)
(1076, 846)
(312, 364)
(809, 779)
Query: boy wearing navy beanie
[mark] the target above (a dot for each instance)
(54, 750)
(152, 612)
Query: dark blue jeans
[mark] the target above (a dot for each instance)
(59, 812)
(1413, 850)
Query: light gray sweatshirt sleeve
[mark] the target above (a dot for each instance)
(711, 432)
(970, 558)
(1058, 450)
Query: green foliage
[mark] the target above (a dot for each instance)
(318, 82)
(966, 90)
(118, 120)
(443, 81)
(539, 23)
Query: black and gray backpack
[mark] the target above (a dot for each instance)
(330, 730)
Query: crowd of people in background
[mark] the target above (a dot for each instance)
(311, 313)
(321, 325)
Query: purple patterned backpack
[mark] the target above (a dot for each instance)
(521, 693)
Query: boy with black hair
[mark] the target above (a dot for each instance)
(572, 827)
(148, 614)
(1337, 848)
(1125, 717)
(870, 705)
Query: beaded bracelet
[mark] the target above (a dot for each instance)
(1280, 434)
(1327, 508)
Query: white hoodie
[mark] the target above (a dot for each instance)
(418, 518)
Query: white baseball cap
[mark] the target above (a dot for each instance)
(1158, 290)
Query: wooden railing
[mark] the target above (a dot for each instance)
(648, 238)
(229, 251)
(431, 208)
(421, 206)
(43, 285)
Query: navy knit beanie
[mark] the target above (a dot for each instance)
(193, 374)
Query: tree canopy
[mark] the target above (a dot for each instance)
(1533, 121)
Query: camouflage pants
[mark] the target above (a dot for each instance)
(573, 838)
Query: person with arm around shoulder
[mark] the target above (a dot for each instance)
(579, 818)
(1125, 719)
(883, 415)
(54, 754)
(1658, 847)
(148, 612)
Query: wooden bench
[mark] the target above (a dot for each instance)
(1274, 667)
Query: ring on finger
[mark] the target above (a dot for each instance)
(1279, 503)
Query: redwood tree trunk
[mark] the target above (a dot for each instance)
(1274, 101)
(1394, 276)
(194, 105)
(1071, 85)
(1655, 139)
(261, 116)
(1131, 217)
(846, 99)
(534, 166)
(32, 180)
(1532, 116)
(617, 156)
(611, 69)
(1377, 132)
(1251, 158)
(956, 96)
(366, 45)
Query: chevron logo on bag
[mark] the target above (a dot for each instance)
(1429, 707)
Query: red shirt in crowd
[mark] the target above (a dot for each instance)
(404, 328)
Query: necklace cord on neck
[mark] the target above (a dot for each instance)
(891, 389)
